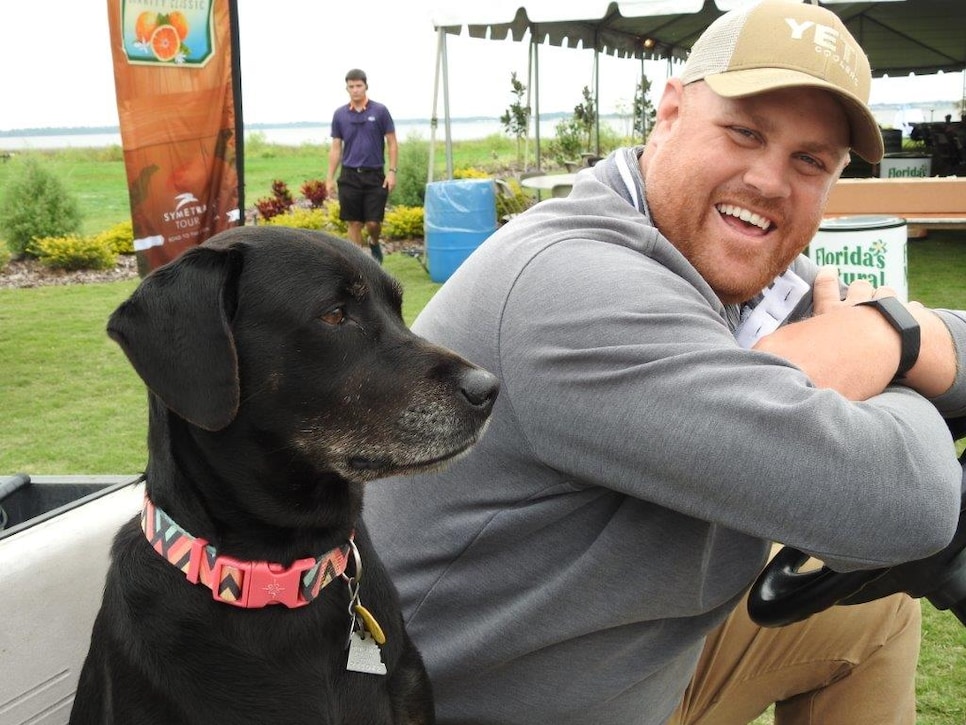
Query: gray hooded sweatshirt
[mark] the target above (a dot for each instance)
(637, 465)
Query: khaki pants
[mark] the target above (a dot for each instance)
(851, 665)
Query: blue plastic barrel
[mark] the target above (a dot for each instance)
(458, 215)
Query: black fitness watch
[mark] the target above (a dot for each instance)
(905, 324)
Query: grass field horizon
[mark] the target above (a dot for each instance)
(96, 176)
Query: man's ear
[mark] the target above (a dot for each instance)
(669, 107)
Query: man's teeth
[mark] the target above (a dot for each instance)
(744, 215)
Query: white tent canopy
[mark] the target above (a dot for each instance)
(900, 36)
(610, 26)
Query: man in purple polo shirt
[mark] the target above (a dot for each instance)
(361, 131)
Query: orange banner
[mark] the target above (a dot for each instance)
(179, 106)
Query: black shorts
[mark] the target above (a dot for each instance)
(362, 197)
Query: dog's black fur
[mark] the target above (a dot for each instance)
(281, 377)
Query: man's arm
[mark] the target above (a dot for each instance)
(670, 410)
(855, 351)
(393, 146)
(335, 158)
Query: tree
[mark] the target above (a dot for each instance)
(36, 204)
(516, 119)
(585, 114)
(644, 110)
(566, 144)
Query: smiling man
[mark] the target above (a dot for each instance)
(587, 562)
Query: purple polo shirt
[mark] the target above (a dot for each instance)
(363, 134)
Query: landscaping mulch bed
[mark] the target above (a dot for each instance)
(31, 273)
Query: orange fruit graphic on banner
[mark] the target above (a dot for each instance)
(180, 23)
(145, 25)
(165, 42)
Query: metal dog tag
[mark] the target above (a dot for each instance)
(364, 655)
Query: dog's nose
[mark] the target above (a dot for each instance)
(479, 387)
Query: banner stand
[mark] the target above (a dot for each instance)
(177, 82)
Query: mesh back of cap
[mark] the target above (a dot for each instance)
(712, 53)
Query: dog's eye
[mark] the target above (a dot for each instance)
(334, 317)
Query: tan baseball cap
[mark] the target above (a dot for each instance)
(788, 44)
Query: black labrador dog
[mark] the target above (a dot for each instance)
(281, 378)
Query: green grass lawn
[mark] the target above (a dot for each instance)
(70, 401)
(97, 179)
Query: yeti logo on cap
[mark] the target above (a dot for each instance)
(829, 42)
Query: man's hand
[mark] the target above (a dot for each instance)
(855, 350)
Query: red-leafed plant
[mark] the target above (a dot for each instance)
(278, 203)
(314, 192)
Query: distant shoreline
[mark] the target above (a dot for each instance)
(927, 111)
(92, 130)
(294, 133)
(465, 128)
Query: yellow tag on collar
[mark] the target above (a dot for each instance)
(371, 625)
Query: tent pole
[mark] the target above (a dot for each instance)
(446, 118)
(440, 39)
(597, 100)
(536, 94)
(526, 143)
(643, 109)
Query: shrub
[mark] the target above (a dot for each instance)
(333, 223)
(119, 238)
(301, 219)
(36, 204)
(403, 222)
(516, 118)
(470, 173)
(278, 203)
(511, 199)
(257, 146)
(585, 116)
(315, 192)
(567, 144)
(73, 252)
(609, 140)
(5, 255)
(411, 177)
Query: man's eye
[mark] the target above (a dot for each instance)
(811, 161)
(334, 317)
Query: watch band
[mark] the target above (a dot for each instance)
(905, 324)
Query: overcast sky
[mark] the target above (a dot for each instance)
(57, 68)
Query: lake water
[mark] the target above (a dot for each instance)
(461, 130)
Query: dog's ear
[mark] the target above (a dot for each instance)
(175, 330)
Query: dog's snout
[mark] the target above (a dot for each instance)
(479, 387)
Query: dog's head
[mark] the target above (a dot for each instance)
(293, 341)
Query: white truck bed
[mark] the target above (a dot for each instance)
(51, 579)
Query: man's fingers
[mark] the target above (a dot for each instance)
(859, 291)
(825, 290)
(884, 291)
